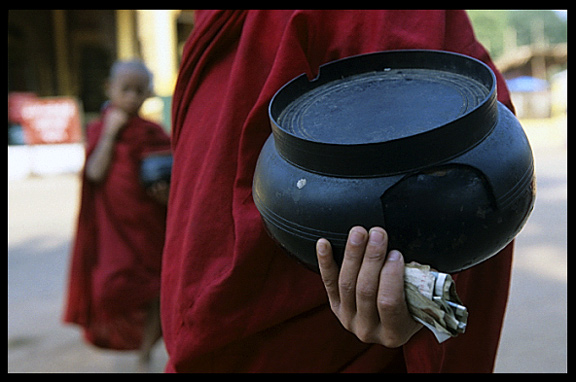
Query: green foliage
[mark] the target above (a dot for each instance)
(500, 30)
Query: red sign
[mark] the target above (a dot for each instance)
(51, 120)
(15, 102)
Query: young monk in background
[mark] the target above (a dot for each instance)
(114, 284)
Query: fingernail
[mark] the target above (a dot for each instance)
(321, 247)
(376, 237)
(356, 237)
(394, 255)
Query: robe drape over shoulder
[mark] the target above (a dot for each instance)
(117, 254)
(232, 301)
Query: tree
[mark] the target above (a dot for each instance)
(500, 30)
(490, 27)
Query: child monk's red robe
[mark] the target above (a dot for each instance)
(117, 254)
(231, 299)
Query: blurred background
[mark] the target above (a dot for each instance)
(58, 61)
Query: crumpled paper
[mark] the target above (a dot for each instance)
(433, 301)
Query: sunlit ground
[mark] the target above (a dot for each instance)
(534, 336)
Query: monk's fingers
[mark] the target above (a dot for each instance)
(329, 271)
(391, 299)
(353, 255)
(368, 283)
(397, 325)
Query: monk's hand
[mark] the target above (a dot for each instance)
(160, 191)
(115, 120)
(367, 293)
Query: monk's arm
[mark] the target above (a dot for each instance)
(99, 161)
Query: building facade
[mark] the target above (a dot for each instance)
(69, 52)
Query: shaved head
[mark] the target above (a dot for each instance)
(134, 66)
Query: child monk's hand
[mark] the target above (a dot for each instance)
(115, 120)
(367, 293)
(159, 191)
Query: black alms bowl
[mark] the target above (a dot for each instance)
(412, 141)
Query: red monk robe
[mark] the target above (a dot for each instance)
(117, 255)
(232, 301)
